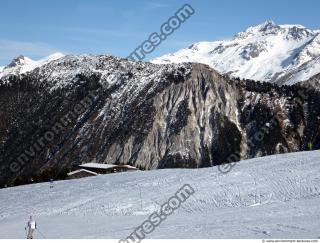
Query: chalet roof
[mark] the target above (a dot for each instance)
(104, 166)
(82, 170)
(97, 166)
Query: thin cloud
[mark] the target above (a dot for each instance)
(156, 5)
(102, 32)
(94, 9)
(10, 49)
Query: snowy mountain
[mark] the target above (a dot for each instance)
(270, 197)
(283, 54)
(151, 116)
(22, 64)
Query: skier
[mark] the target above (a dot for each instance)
(51, 183)
(31, 225)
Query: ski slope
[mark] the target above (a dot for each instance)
(269, 197)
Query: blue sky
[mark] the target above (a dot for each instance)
(37, 28)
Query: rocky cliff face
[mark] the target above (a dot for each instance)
(79, 109)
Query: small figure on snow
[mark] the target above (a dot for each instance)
(31, 226)
(51, 183)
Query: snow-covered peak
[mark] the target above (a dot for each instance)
(20, 61)
(41, 62)
(268, 28)
(266, 52)
(22, 64)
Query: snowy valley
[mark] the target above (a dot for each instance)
(160, 121)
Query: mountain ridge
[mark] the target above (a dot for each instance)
(147, 115)
(283, 54)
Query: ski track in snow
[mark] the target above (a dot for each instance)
(269, 197)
